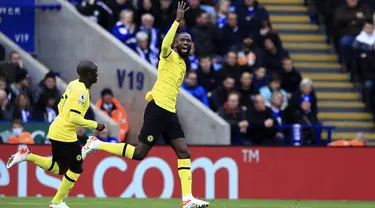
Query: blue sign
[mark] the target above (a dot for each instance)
(17, 21)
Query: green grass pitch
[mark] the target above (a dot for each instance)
(14, 202)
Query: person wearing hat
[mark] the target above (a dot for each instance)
(48, 84)
(305, 116)
(112, 107)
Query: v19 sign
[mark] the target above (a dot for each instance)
(17, 21)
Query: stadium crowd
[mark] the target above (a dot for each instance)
(238, 66)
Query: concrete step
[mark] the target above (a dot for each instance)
(341, 110)
(333, 116)
(321, 84)
(326, 76)
(321, 71)
(303, 38)
(350, 124)
(329, 96)
(305, 45)
(347, 135)
(307, 65)
(302, 19)
(294, 27)
(314, 57)
(335, 104)
(286, 8)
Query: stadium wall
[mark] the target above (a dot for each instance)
(65, 37)
(37, 73)
(218, 172)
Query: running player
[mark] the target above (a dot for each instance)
(160, 116)
(66, 151)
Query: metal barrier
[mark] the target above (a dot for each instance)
(298, 130)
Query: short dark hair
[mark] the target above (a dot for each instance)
(86, 66)
(190, 72)
(11, 54)
(106, 91)
(17, 121)
(275, 77)
(369, 21)
(204, 57)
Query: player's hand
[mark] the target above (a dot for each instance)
(181, 9)
(100, 127)
(268, 123)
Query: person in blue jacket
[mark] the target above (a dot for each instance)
(125, 29)
(194, 89)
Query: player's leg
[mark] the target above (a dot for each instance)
(71, 164)
(176, 138)
(24, 154)
(153, 124)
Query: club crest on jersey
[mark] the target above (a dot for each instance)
(81, 99)
(79, 157)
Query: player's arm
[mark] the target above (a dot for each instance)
(166, 49)
(76, 113)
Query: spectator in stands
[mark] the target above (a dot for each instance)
(250, 14)
(193, 63)
(205, 36)
(305, 116)
(112, 107)
(105, 137)
(230, 67)
(220, 94)
(117, 6)
(167, 11)
(260, 79)
(290, 77)
(349, 20)
(272, 56)
(48, 84)
(4, 86)
(143, 49)
(146, 7)
(19, 135)
(12, 67)
(364, 45)
(97, 11)
(22, 85)
(274, 86)
(245, 89)
(207, 76)
(266, 31)
(235, 115)
(191, 85)
(305, 89)
(262, 123)
(22, 108)
(222, 12)
(124, 30)
(249, 55)
(153, 33)
(193, 13)
(279, 115)
(359, 141)
(231, 34)
(46, 108)
(6, 108)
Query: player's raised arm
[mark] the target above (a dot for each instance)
(169, 37)
(78, 100)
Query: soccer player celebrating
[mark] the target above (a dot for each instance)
(66, 151)
(160, 116)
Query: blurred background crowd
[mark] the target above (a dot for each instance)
(238, 66)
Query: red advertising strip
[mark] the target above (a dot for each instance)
(218, 172)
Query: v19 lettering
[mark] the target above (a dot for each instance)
(134, 80)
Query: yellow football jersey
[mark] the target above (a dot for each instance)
(72, 108)
(171, 72)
